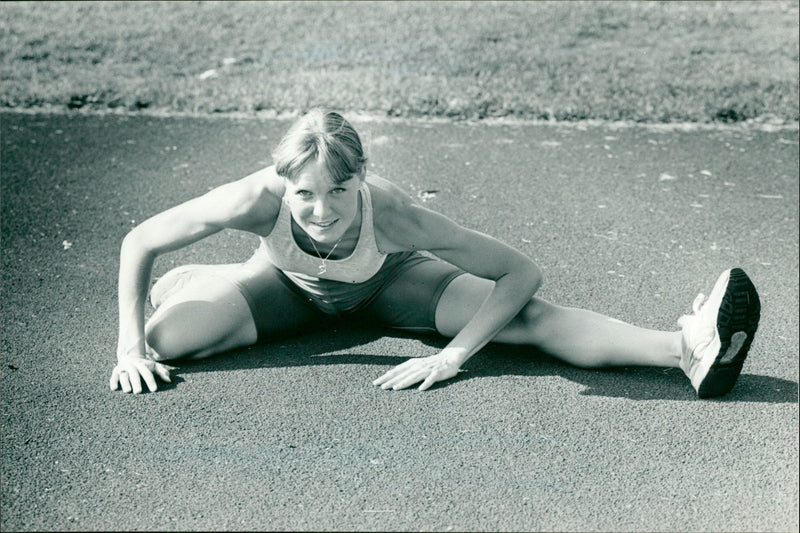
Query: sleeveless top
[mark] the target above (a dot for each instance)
(362, 264)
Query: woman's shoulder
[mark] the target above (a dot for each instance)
(388, 200)
(264, 183)
(395, 214)
(255, 200)
(385, 194)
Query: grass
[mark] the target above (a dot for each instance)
(638, 61)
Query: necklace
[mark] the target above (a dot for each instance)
(323, 267)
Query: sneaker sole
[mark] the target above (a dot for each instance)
(737, 321)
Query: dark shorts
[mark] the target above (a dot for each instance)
(403, 295)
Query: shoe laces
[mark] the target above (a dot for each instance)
(692, 335)
(697, 306)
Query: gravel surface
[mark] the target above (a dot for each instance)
(632, 222)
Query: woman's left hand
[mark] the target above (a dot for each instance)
(444, 365)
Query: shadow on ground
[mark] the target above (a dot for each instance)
(633, 383)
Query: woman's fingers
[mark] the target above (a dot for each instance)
(163, 372)
(126, 378)
(429, 381)
(113, 382)
(428, 370)
(405, 380)
(411, 378)
(129, 373)
(143, 369)
(393, 372)
(406, 374)
(124, 382)
(136, 382)
(392, 377)
(384, 378)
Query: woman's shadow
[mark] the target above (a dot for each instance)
(333, 346)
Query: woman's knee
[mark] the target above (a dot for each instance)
(534, 316)
(168, 333)
(188, 328)
(544, 323)
(537, 310)
(207, 313)
(530, 324)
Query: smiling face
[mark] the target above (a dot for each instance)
(322, 208)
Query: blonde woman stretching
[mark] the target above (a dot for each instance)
(337, 241)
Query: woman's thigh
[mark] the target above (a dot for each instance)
(433, 296)
(221, 307)
(410, 300)
(459, 303)
(462, 298)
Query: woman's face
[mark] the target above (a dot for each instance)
(322, 208)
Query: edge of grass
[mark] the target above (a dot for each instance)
(627, 62)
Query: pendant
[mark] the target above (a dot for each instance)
(322, 269)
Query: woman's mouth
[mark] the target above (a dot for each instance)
(325, 225)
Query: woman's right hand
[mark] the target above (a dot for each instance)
(131, 370)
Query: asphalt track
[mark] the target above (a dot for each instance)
(632, 222)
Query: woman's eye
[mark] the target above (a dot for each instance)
(303, 194)
(338, 190)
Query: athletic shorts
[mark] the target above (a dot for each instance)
(403, 295)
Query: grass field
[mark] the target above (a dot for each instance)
(637, 61)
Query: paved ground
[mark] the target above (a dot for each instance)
(632, 222)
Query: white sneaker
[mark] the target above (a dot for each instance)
(717, 337)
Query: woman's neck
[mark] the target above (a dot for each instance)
(344, 246)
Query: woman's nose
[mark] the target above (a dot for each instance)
(321, 208)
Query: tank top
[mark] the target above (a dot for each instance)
(363, 263)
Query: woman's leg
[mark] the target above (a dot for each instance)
(710, 347)
(577, 336)
(198, 313)
(435, 296)
(202, 310)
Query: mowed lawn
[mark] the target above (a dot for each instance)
(638, 61)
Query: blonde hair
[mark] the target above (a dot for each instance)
(321, 136)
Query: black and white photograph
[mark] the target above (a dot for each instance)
(400, 265)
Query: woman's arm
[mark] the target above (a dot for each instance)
(516, 279)
(246, 204)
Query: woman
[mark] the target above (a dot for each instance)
(339, 242)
